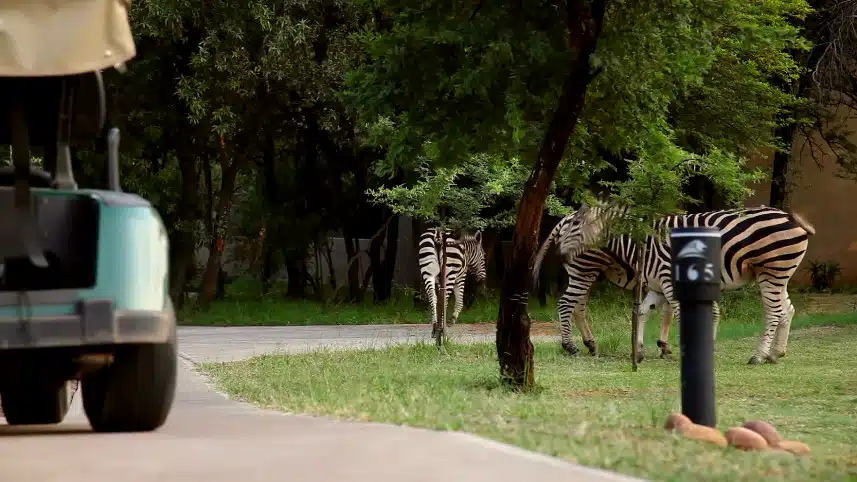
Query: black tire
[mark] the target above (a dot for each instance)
(134, 393)
(35, 403)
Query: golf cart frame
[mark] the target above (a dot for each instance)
(84, 274)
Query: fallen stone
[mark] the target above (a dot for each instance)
(764, 429)
(746, 439)
(675, 420)
(703, 433)
(794, 447)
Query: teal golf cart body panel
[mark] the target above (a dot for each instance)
(131, 284)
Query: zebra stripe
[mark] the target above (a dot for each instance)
(463, 255)
(761, 244)
(583, 270)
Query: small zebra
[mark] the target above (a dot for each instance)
(583, 270)
(760, 244)
(463, 255)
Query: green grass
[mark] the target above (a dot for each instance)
(591, 410)
(243, 307)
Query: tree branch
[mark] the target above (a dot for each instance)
(476, 10)
(363, 252)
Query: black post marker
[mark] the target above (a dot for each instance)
(696, 284)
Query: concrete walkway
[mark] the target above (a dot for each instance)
(212, 439)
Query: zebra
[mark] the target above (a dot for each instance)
(582, 272)
(463, 255)
(760, 244)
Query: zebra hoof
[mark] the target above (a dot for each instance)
(772, 359)
(641, 357)
(754, 360)
(570, 348)
(591, 346)
(781, 354)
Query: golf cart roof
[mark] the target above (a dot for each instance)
(63, 37)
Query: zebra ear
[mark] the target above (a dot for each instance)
(478, 237)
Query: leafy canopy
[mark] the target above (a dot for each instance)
(685, 88)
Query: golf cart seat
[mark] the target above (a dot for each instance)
(51, 95)
(65, 107)
(51, 56)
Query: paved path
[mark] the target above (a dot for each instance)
(203, 343)
(209, 438)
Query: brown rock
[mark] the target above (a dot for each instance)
(764, 429)
(794, 447)
(676, 420)
(703, 433)
(745, 439)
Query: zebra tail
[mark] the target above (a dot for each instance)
(802, 222)
(543, 250)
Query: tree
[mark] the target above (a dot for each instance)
(250, 87)
(827, 85)
(454, 198)
(547, 82)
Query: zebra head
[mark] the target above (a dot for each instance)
(475, 254)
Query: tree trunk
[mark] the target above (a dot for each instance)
(221, 284)
(382, 277)
(420, 301)
(297, 272)
(267, 264)
(514, 348)
(800, 86)
(470, 291)
(217, 236)
(183, 240)
(181, 268)
(499, 262)
(780, 167)
(352, 247)
(331, 270)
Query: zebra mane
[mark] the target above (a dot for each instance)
(457, 234)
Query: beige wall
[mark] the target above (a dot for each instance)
(827, 202)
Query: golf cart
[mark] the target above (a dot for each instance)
(83, 272)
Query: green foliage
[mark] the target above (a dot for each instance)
(298, 47)
(823, 274)
(685, 89)
(457, 196)
(744, 95)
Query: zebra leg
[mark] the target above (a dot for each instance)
(565, 310)
(671, 312)
(641, 330)
(459, 297)
(715, 308)
(579, 317)
(448, 293)
(781, 338)
(431, 294)
(666, 319)
(773, 301)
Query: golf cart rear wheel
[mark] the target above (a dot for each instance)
(135, 392)
(35, 403)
